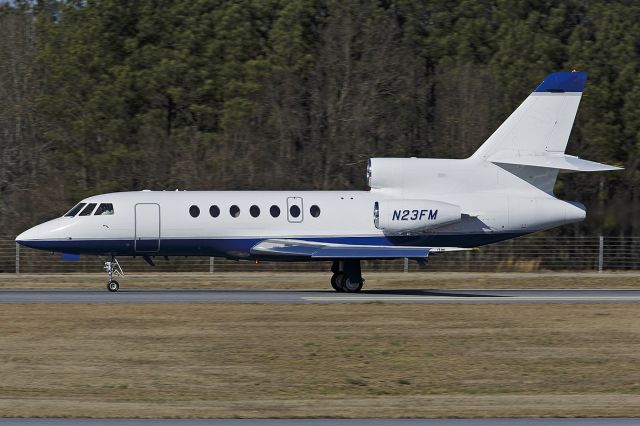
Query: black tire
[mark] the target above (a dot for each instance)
(336, 281)
(349, 286)
(113, 286)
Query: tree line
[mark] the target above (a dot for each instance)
(112, 95)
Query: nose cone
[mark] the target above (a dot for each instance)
(26, 239)
(25, 236)
(41, 236)
(31, 237)
(30, 234)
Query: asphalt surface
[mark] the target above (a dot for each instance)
(319, 296)
(322, 422)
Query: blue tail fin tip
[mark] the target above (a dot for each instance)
(560, 82)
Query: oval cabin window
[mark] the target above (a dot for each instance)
(234, 211)
(214, 211)
(315, 211)
(194, 211)
(294, 211)
(275, 211)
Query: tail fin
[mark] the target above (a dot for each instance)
(530, 144)
(542, 123)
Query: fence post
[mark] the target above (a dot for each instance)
(211, 265)
(17, 258)
(601, 254)
(406, 264)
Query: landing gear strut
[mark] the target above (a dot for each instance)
(347, 276)
(113, 268)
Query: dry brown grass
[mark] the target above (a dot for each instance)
(315, 280)
(270, 360)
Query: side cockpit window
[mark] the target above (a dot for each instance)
(88, 210)
(74, 211)
(104, 209)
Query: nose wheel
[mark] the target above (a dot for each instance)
(113, 269)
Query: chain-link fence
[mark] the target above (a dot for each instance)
(535, 253)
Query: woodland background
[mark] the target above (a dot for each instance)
(111, 95)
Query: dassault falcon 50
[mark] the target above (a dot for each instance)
(415, 207)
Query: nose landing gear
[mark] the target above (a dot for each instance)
(113, 268)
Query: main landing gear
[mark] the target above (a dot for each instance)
(347, 276)
(113, 268)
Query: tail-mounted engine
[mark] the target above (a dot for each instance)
(414, 215)
(386, 172)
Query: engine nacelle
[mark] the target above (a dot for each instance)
(414, 215)
(386, 172)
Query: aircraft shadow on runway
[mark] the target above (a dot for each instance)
(429, 293)
(407, 292)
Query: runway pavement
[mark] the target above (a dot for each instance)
(320, 296)
(322, 422)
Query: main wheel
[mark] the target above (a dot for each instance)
(336, 281)
(350, 286)
(113, 285)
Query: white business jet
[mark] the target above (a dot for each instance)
(416, 206)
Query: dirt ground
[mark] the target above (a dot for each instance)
(316, 280)
(273, 360)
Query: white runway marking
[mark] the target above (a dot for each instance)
(470, 298)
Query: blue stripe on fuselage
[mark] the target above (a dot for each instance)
(239, 247)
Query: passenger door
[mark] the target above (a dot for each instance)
(295, 212)
(147, 228)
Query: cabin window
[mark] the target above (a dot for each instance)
(234, 211)
(275, 211)
(88, 210)
(294, 211)
(315, 211)
(194, 211)
(214, 211)
(104, 209)
(254, 211)
(74, 211)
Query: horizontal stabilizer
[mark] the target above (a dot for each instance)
(562, 162)
(320, 250)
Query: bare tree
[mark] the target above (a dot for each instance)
(23, 153)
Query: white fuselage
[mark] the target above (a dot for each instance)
(161, 223)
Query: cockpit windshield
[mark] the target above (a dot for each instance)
(88, 210)
(74, 211)
(104, 209)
